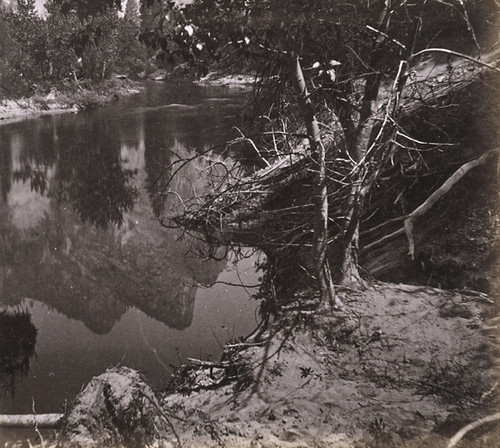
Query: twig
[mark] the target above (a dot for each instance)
(488, 392)
(221, 282)
(36, 424)
(399, 133)
(300, 386)
(254, 146)
(164, 415)
(382, 240)
(379, 226)
(153, 349)
(469, 25)
(386, 36)
(245, 344)
(199, 362)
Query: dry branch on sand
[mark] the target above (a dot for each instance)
(471, 426)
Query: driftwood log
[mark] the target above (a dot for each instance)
(30, 420)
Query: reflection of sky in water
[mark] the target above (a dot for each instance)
(101, 296)
(27, 207)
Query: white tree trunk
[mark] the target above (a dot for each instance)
(318, 153)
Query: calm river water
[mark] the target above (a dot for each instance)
(82, 251)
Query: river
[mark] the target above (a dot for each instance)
(92, 278)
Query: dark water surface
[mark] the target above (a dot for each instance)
(82, 251)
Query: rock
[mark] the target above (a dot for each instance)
(118, 409)
(51, 95)
(158, 75)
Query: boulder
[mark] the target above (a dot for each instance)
(116, 409)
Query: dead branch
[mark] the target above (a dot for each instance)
(201, 363)
(383, 240)
(381, 225)
(167, 419)
(386, 36)
(458, 436)
(245, 345)
(251, 142)
(410, 219)
(469, 25)
(439, 193)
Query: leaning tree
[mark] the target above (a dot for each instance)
(335, 82)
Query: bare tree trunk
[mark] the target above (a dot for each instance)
(349, 247)
(349, 271)
(318, 152)
(358, 151)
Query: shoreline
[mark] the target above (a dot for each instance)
(236, 81)
(337, 379)
(11, 111)
(59, 102)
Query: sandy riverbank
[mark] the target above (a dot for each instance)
(403, 366)
(56, 101)
(242, 81)
(13, 110)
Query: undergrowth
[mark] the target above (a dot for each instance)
(453, 383)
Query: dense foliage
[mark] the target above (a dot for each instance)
(75, 41)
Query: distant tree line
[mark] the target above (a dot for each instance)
(75, 41)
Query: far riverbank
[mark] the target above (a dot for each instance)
(74, 99)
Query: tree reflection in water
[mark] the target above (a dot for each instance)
(17, 347)
(5, 180)
(78, 224)
(36, 176)
(157, 177)
(93, 180)
(117, 285)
